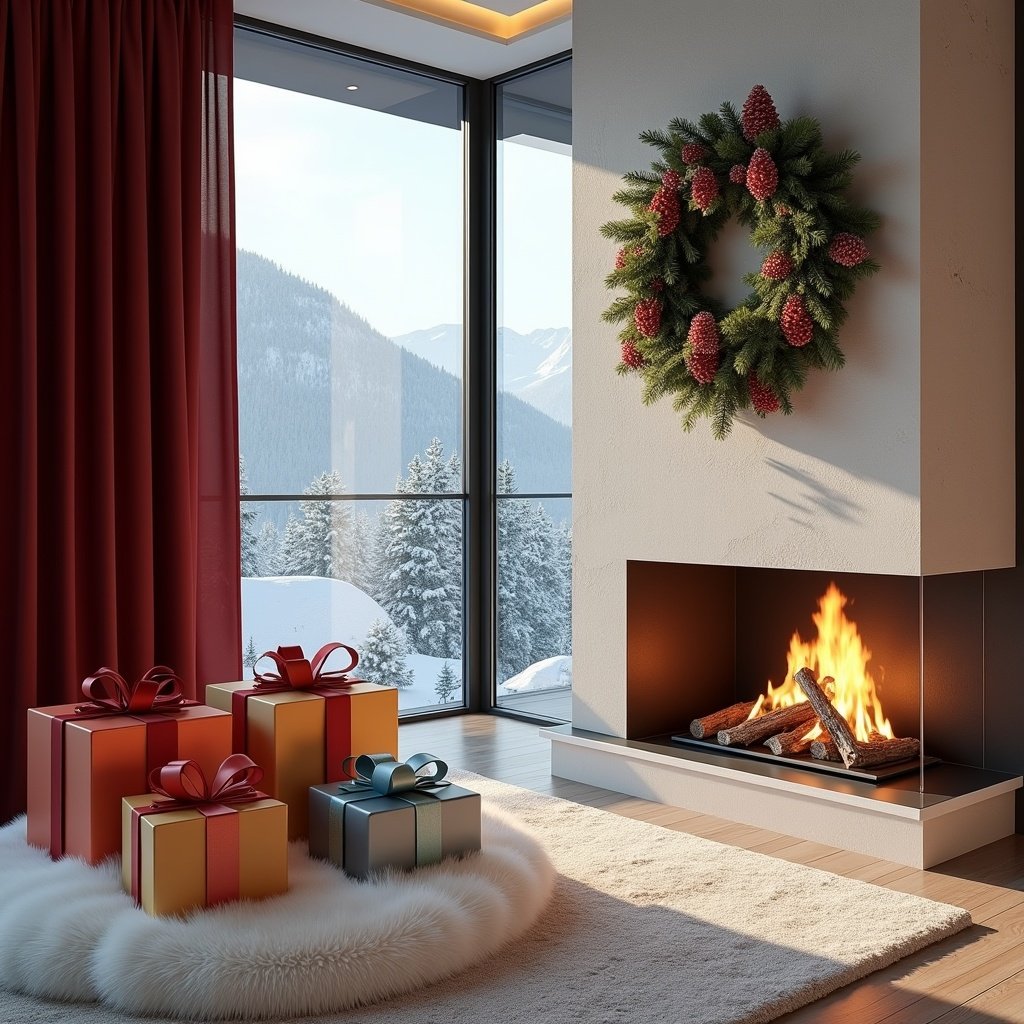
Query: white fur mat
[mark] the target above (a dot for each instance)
(68, 931)
(643, 923)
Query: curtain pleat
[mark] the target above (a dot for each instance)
(118, 440)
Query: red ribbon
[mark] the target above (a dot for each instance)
(156, 692)
(294, 672)
(108, 692)
(184, 785)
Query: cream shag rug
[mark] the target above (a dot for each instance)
(644, 923)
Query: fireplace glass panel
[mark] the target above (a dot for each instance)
(702, 637)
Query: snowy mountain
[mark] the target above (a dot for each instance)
(320, 389)
(535, 367)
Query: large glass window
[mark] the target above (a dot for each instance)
(349, 209)
(534, 400)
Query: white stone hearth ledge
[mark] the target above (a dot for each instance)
(964, 808)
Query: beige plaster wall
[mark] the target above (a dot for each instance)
(836, 486)
(967, 284)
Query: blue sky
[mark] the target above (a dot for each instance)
(369, 206)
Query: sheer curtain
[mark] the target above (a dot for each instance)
(119, 531)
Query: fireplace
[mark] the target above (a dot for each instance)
(895, 478)
(722, 647)
(701, 639)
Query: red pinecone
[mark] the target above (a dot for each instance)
(632, 356)
(797, 325)
(694, 152)
(666, 205)
(657, 284)
(777, 266)
(759, 113)
(782, 210)
(738, 174)
(703, 366)
(703, 334)
(671, 179)
(762, 175)
(847, 250)
(762, 398)
(647, 317)
(704, 188)
(623, 255)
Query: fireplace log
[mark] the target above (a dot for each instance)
(831, 720)
(775, 722)
(884, 751)
(791, 742)
(823, 749)
(710, 725)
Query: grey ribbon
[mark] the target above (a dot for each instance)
(388, 777)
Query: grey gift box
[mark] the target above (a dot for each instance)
(359, 830)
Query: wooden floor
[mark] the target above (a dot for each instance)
(973, 978)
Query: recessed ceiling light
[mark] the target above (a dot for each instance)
(351, 88)
(482, 19)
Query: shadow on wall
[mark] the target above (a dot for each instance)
(815, 498)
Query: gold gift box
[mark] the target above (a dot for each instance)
(173, 852)
(286, 734)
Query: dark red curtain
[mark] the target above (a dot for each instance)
(119, 530)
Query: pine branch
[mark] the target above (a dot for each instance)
(731, 119)
(641, 178)
(711, 125)
(633, 196)
(624, 230)
(687, 129)
(621, 309)
(656, 137)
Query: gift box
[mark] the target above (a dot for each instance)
(301, 722)
(82, 758)
(189, 843)
(392, 815)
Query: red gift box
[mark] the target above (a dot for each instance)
(83, 758)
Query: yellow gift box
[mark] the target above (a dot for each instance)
(301, 723)
(188, 844)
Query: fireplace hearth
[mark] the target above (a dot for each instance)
(706, 646)
(806, 762)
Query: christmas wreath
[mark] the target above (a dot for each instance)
(778, 179)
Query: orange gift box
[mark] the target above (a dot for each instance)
(301, 723)
(83, 758)
(190, 844)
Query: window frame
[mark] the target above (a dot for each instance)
(479, 391)
(491, 681)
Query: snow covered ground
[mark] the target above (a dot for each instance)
(549, 674)
(311, 611)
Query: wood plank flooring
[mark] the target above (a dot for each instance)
(973, 978)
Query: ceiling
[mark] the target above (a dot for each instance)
(479, 40)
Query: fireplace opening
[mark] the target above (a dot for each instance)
(906, 655)
(782, 724)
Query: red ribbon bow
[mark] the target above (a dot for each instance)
(185, 783)
(296, 673)
(107, 691)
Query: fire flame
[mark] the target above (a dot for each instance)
(837, 651)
